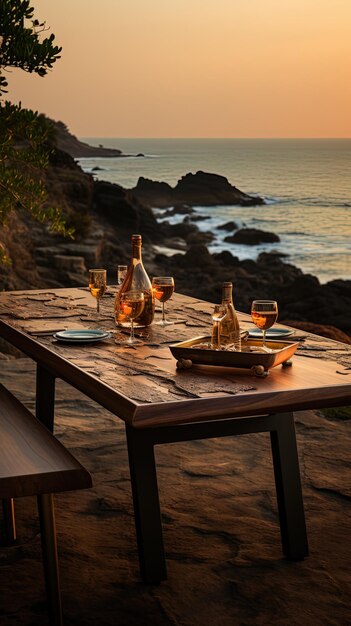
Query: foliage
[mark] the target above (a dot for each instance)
(26, 138)
(340, 413)
(21, 45)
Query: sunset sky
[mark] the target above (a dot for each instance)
(196, 68)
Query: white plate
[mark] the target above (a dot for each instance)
(82, 335)
(272, 333)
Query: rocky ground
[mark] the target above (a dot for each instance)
(225, 566)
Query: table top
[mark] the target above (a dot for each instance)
(141, 384)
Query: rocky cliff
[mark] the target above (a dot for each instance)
(103, 216)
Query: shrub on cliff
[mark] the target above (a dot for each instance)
(25, 136)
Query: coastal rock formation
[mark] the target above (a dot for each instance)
(196, 218)
(105, 215)
(153, 193)
(78, 149)
(32, 247)
(202, 188)
(210, 189)
(187, 231)
(178, 209)
(300, 296)
(228, 226)
(125, 213)
(252, 237)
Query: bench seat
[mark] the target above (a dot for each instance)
(32, 460)
(34, 463)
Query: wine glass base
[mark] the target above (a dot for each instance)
(128, 343)
(128, 325)
(162, 323)
(133, 342)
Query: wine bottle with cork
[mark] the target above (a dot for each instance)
(230, 328)
(136, 280)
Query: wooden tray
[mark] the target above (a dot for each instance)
(187, 354)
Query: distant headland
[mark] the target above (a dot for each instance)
(79, 149)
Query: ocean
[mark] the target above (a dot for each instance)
(305, 182)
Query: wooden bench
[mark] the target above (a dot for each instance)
(34, 463)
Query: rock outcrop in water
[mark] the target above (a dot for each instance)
(202, 188)
(252, 237)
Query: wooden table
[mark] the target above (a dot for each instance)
(162, 405)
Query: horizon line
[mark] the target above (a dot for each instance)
(218, 138)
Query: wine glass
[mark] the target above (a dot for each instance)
(132, 304)
(97, 285)
(264, 314)
(121, 273)
(218, 315)
(163, 287)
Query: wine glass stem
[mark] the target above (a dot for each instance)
(218, 335)
(163, 313)
(216, 339)
(264, 338)
(97, 305)
(131, 338)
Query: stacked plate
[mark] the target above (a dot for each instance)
(82, 335)
(272, 333)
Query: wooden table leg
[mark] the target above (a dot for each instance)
(145, 491)
(8, 522)
(288, 488)
(45, 412)
(50, 559)
(45, 397)
(146, 505)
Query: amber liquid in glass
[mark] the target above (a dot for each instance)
(97, 291)
(97, 285)
(264, 319)
(132, 308)
(163, 293)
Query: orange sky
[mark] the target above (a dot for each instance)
(196, 68)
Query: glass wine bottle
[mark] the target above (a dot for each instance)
(230, 328)
(136, 279)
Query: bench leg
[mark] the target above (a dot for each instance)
(146, 505)
(50, 559)
(45, 411)
(45, 397)
(8, 520)
(288, 488)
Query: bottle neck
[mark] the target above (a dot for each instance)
(136, 250)
(227, 294)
